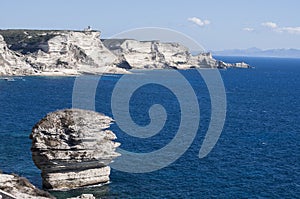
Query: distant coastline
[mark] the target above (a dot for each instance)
(256, 52)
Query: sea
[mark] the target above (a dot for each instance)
(256, 156)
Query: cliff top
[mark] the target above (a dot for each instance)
(28, 41)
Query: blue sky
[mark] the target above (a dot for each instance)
(215, 24)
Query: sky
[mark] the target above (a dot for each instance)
(215, 24)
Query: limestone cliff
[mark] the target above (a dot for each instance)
(12, 63)
(73, 52)
(73, 148)
(79, 52)
(133, 54)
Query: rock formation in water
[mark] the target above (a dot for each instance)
(73, 148)
(33, 52)
(15, 187)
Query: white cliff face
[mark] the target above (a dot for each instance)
(73, 148)
(151, 54)
(74, 52)
(12, 63)
(134, 54)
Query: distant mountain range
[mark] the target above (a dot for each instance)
(256, 52)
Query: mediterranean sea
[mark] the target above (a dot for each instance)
(256, 156)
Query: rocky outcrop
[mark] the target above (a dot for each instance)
(73, 148)
(12, 63)
(16, 187)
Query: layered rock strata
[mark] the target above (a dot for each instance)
(79, 52)
(73, 148)
(12, 63)
(133, 54)
(74, 52)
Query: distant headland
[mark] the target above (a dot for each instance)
(256, 52)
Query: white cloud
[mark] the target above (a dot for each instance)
(270, 25)
(291, 30)
(248, 29)
(198, 21)
(276, 28)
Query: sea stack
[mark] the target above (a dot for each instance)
(73, 148)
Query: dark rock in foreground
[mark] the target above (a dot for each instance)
(73, 148)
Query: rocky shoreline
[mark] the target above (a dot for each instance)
(65, 53)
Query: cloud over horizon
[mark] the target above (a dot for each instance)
(198, 21)
(273, 26)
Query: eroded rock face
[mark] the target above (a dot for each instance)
(13, 186)
(61, 53)
(12, 63)
(74, 52)
(73, 148)
(133, 54)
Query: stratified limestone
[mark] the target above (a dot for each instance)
(12, 63)
(73, 148)
(71, 52)
(133, 54)
(62, 53)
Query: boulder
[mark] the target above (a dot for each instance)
(73, 148)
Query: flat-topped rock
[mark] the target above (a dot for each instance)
(73, 148)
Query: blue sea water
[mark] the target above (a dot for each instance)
(257, 155)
